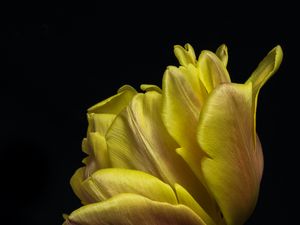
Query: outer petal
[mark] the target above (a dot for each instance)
(128, 209)
(107, 183)
(185, 55)
(212, 70)
(138, 140)
(267, 67)
(233, 167)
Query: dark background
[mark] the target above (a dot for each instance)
(57, 60)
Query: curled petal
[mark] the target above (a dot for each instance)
(150, 87)
(266, 68)
(128, 209)
(116, 103)
(212, 70)
(233, 167)
(222, 53)
(185, 55)
(107, 183)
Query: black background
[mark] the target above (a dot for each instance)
(59, 59)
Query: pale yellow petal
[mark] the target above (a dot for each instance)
(107, 183)
(233, 166)
(130, 209)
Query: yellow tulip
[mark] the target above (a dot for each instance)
(184, 154)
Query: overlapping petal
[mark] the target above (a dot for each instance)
(233, 167)
(129, 209)
(137, 140)
(184, 154)
(103, 185)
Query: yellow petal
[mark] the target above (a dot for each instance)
(182, 100)
(100, 122)
(233, 167)
(212, 70)
(107, 183)
(138, 140)
(185, 55)
(129, 209)
(150, 87)
(114, 104)
(185, 198)
(98, 144)
(222, 53)
(266, 68)
(76, 184)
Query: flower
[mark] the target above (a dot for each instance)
(184, 154)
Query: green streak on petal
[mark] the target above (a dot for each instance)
(233, 167)
(129, 209)
(185, 55)
(212, 70)
(222, 53)
(107, 183)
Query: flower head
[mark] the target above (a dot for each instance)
(184, 154)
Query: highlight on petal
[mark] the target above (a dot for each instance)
(128, 209)
(233, 167)
(212, 70)
(222, 53)
(107, 183)
(185, 55)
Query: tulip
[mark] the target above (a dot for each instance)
(186, 153)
